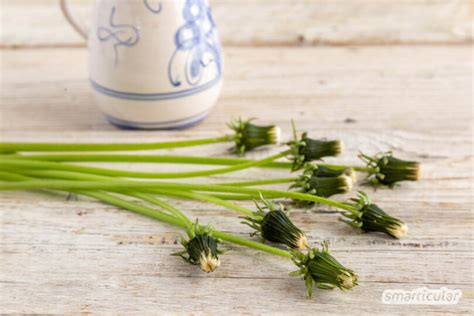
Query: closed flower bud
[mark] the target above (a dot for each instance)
(313, 181)
(306, 150)
(201, 248)
(320, 268)
(328, 172)
(388, 170)
(249, 136)
(272, 223)
(371, 218)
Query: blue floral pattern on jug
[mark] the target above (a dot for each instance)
(197, 44)
(123, 34)
(194, 66)
(151, 8)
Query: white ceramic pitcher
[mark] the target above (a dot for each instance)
(153, 64)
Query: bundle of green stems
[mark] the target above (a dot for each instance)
(22, 170)
(325, 272)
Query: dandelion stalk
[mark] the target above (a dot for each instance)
(145, 211)
(129, 185)
(273, 225)
(174, 159)
(58, 174)
(78, 147)
(157, 215)
(259, 182)
(52, 162)
(218, 234)
(205, 198)
(6, 161)
(246, 136)
(317, 266)
(234, 197)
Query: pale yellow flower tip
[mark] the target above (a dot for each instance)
(208, 263)
(275, 135)
(347, 280)
(302, 243)
(348, 184)
(399, 231)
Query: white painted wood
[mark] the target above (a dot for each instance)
(273, 22)
(60, 256)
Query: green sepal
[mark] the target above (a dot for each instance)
(320, 268)
(271, 222)
(304, 149)
(387, 170)
(310, 182)
(370, 217)
(248, 136)
(200, 247)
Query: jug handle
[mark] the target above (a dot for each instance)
(71, 20)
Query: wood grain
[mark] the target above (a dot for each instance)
(60, 256)
(281, 22)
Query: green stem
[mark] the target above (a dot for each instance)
(150, 199)
(252, 244)
(148, 212)
(128, 185)
(6, 162)
(123, 203)
(136, 208)
(146, 197)
(142, 210)
(205, 198)
(157, 215)
(171, 159)
(69, 175)
(148, 159)
(61, 147)
(259, 182)
(88, 177)
(235, 197)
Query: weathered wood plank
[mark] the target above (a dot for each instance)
(282, 22)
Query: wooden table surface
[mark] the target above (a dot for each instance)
(415, 98)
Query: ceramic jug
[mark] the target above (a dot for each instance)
(153, 64)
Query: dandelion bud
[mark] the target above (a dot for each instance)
(324, 187)
(371, 218)
(311, 183)
(201, 248)
(249, 136)
(272, 223)
(320, 268)
(307, 150)
(388, 170)
(328, 172)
